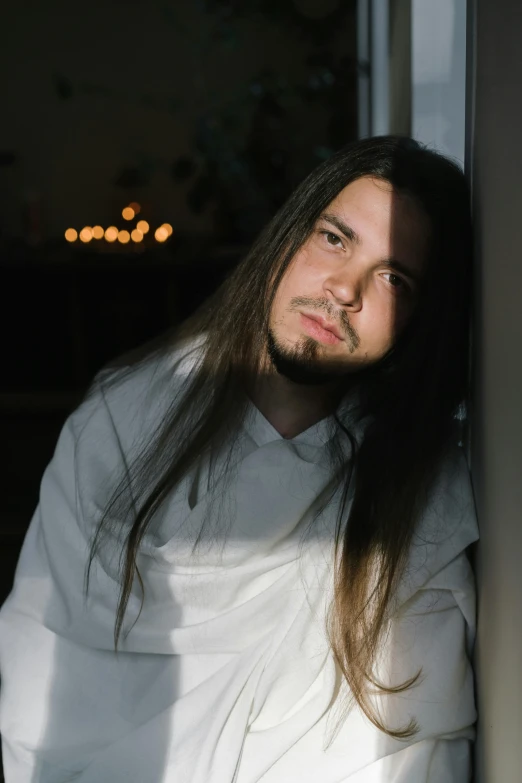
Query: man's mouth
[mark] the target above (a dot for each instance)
(318, 327)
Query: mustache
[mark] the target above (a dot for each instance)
(338, 316)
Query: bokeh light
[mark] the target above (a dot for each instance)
(86, 234)
(71, 235)
(168, 228)
(161, 234)
(135, 207)
(142, 226)
(111, 234)
(123, 237)
(97, 232)
(128, 213)
(136, 235)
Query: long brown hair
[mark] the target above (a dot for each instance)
(413, 399)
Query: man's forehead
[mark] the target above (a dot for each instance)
(367, 207)
(367, 188)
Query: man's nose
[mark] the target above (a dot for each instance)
(344, 291)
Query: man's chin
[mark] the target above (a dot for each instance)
(303, 363)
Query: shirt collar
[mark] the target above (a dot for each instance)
(262, 432)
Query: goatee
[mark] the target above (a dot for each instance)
(301, 364)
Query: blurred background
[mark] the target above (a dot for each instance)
(142, 148)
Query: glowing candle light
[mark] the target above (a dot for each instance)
(123, 237)
(128, 213)
(142, 226)
(161, 234)
(97, 232)
(136, 235)
(168, 228)
(71, 235)
(86, 234)
(111, 234)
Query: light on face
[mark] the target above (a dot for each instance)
(97, 232)
(111, 234)
(71, 235)
(123, 237)
(161, 234)
(136, 235)
(142, 226)
(128, 213)
(86, 234)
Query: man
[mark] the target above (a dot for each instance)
(268, 516)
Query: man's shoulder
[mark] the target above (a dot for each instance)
(447, 524)
(130, 402)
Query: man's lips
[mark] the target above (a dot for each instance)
(324, 324)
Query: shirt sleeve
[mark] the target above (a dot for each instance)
(429, 761)
(432, 630)
(66, 696)
(61, 699)
(434, 633)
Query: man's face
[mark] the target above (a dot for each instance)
(351, 289)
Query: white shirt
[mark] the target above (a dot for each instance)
(226, 675)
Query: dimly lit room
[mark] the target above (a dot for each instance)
(260, 391)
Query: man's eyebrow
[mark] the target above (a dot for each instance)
(343, 227)
(353, 236)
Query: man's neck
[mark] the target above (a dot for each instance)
(292, 408)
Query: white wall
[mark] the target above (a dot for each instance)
(497, 415)
(438, 65)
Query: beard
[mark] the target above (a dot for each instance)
(301, 364)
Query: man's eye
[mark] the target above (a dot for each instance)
(394, 280)
(332, 238)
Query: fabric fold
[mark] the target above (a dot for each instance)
(226, 674)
